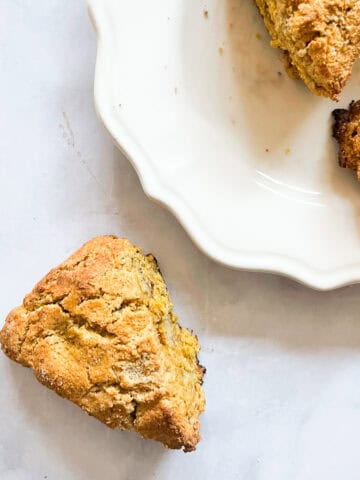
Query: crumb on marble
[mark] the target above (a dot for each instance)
(258, 35)
(206, 13)
(287, 150)
(221, 50)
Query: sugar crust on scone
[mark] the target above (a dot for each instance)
(99, 330)
(321, 39)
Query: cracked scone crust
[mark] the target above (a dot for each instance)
(346, 131)
(99, 330)
(321, 39)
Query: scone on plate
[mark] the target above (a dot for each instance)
(346, 130)
(321, 39)
(99, 330)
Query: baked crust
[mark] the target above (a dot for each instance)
(99, 330)
(321, 39)
(346, 131)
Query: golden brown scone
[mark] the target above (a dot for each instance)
(321, 39)
(346, 130)
(99, 330)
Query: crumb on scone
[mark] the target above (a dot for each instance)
(346, 130)
(99, 330)
(321, 39)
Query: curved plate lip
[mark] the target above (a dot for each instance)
(153, 187)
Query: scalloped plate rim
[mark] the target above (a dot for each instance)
(271, 263)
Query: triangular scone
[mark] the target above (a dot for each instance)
(346, 130)
(99, 330)
(321, 39)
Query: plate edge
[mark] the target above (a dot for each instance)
(279, 264)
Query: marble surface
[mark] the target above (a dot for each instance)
(282, 386)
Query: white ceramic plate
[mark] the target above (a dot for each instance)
(218, 133)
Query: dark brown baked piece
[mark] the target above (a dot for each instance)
(321, 39)
(346, 130)
(99, 330)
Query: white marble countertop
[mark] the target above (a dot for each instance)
(283, 362)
